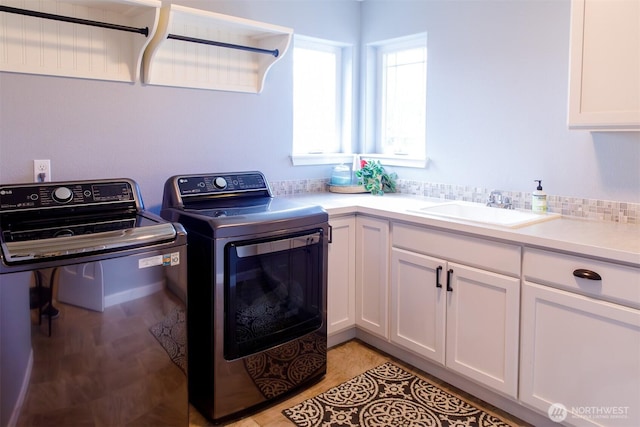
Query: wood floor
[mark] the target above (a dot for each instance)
(143, 387)
(104, 369)
(344, 362)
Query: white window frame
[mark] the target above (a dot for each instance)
(344, 77)
(373, 103)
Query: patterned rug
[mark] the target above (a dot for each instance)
(388, 396)
(171, 333)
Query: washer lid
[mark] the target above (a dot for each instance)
(69, 246)
(274, 214)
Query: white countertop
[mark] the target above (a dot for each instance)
(606, 240)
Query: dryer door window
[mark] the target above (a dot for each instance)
(273, 291)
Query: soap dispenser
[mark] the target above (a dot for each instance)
(539, 199)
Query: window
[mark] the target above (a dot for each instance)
(395, 96)
(321, 101)
(398, 118)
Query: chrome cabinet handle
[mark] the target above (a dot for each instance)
(586, 274)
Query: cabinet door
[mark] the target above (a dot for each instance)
(341, 275)
(418, 304)
(604, 88)
(482, 327)
(582, 353)
(372, 275)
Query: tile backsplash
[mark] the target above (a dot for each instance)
(296, 188)
(592, 209)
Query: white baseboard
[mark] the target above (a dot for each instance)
(131, 294)
(341, 337)
(23, 392)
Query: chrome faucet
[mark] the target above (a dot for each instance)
(496, 199)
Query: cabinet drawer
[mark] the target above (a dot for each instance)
(485, 254)
(618, 283)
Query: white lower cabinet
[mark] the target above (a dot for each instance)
(372, 275)
(341, 278)
(482, 327)
(463, 317)
(578, 348)
(560, 333)
(418, 304)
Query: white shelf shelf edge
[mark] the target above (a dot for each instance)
(169, 62)
(34, 45)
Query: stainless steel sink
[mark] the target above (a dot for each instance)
(475, 212)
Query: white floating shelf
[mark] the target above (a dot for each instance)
(37, 45)
(196, 64)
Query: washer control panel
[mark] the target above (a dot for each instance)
(39, 196)
(218, 184)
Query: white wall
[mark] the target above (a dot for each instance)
(96, 129)
(497, 99)
(496, 114)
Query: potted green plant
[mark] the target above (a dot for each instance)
(375, 179)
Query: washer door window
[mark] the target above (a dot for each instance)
(273, 291)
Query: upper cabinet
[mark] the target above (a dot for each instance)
(201, 49)
(94, 39)
(604, 81)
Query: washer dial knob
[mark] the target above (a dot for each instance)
(62, 195)
(220, 183)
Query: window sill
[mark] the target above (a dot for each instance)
(321, 159)
(391, 160)
(346, 158)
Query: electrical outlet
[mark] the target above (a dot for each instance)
(42, 170)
